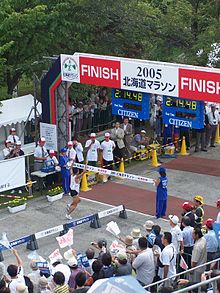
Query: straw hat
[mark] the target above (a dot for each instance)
(128, 240)
(148, 225)
(136, 233)
(21, 288)
(43, 282)
(68, 254)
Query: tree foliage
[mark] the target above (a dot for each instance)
(165, 30)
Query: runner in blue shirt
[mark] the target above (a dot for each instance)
(161, 196)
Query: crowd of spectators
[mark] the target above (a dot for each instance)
(148, 257)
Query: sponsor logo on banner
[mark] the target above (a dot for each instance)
(149, 77)
(69, 68)
(100, 72)
(110, 211)
(48, 232)
(201, 85)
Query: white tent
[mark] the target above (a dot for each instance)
(14, 113)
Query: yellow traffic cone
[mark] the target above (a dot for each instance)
(121, 168)
(154, 162)
(84, 184)
(217, 137)
(183, 151)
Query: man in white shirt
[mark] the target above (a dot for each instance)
(40, 156)
(167, 258)
(13, 138)
(79, 151)
(144, 263)
(16, 272)
(92, 146)
(214, 120)
(107, 147)
(71, 153)
(177, 238)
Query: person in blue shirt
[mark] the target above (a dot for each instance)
(161, 196)
(65, 171)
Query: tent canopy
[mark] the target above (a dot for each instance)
(17, 110)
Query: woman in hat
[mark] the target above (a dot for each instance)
(65, 171)
(161, 196)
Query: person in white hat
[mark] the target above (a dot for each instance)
(177, 237)
(139, 140)
(92, 147)
(71, 153)
(13, 138)
(79, 151)
(107, 147)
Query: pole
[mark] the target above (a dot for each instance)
(29, 176)
(35, 107)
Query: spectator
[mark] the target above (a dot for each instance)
(148, 225)
(107, 147)
(59, 280)
(52, 161)
(167, 258)
(34, 275)
(128, 241)
(7, 151)
(199, 254)
(201, 135)
(73, 265)
(96, 267)
(40, 155)
(136, 234)
(101, 246)
(17, 151)
(2, 271)
(16, 273)
(218, 208)
(199, 211)
(144, 263)
(92, 147)
(3, 287)
(123, 267)
(139, 141)
(161, 197)
(43, 286)
(158, 240)
(80, 283)
(71, 153)
(214, 120)
(211, 240)
(21, 288)
(177, 237)
(90, 253)
(65, 171)
(127, 127)
(79, 118)
(157, 114)
(188, 241)
(79, 151)
(107, 270)
(13, 138)
(117, 135)
(187, 211)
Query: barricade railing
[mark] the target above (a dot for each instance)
(186, 273)
(212, 281)
(31, 240)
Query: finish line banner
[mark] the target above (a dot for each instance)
(115, 173)
(12, 173)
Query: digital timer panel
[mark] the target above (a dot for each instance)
(181, 103)
(183, 112)
(128, 95)
(130, 104)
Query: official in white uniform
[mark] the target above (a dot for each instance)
(13, 138)
(40, 156)
(71, 153)
(92, 146)
(107, 147)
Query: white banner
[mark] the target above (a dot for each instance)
(12, 173)
(49, 131)
(49, 231)
(111, 211)
(66, 239)
(115, 173)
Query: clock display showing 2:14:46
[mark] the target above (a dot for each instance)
(181, 103)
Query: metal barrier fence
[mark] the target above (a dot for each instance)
(186, 274)
(94, 220)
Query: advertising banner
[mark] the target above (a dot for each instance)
(12, 173)
(159, 78)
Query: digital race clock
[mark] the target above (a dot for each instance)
(130, 104)
(183, 112)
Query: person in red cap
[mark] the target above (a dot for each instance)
(188, 211)
(13, 138)
(52, 160)
(107, 147)
(92, 147)
(211, 240)
(218, 208)
(71, 153)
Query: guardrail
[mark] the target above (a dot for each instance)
(94, 220)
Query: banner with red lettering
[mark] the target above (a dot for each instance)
(160, 78)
